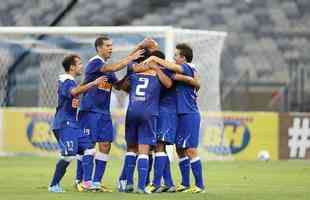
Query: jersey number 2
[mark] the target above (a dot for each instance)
(143, 83)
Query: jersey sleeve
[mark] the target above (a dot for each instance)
(67, 86)
(186, 70)
(130, 68)
(168, 72)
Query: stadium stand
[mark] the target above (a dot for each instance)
(269, 39)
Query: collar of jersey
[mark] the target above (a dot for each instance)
(63, 77)
(191, 65)
(97, 57)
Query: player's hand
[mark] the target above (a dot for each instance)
(136, 55)
(148, 60)
(101, 79)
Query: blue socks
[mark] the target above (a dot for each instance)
(167, 173)
(150, 168)
(100, 165)
(184, 165)
(197, 172)
(159, 166)
(60, 171)
(143, 168)
(88, 164)
(129, 167)
(79, 169)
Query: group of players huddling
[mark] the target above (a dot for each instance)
(162, 111)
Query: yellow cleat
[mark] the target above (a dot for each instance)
(181, 188)
(194, 189)
(150, 189)
(105, 189)
(82, 187)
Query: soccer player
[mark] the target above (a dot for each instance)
(125, 182)
(141, 116)
(188, 119)
(94, 113)
(166, 135)
(66, 129)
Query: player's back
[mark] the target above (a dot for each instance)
(144, 94)
(187, 94)
(168, 98)
(67, 105)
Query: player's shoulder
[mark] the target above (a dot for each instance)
(66, 78)
(188, 68)
(66, 81)
(192, 66)
(96, 60)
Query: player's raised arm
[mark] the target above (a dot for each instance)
(169, 65)
(163, 78)
(122, 63)
(84, 87)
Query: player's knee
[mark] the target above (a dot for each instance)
(144, 149)
(192, 152)
(180, 152)
(132, 148)
(160, 147)
(104, 147)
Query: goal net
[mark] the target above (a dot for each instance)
(31, 62)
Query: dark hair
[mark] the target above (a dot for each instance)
(158, 54)
(186, 51)
(68, 61)
(100, 41)
(145, 55)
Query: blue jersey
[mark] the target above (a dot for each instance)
(186, 94)
(67, 104)
(168, 98)
(144, 94)
(97, 99)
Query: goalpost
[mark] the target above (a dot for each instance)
(41, 49)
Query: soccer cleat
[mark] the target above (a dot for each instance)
(164, 188)
(75, 185)
(85, 186)
(181, 188)
(97, 186)
(195, 189)
(140, 191)
(55, 188)
(121, 186)
(129, 188)
(150, 189)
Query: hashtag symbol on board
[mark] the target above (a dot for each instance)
(299, 138)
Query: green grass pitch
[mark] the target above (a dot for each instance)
(23, 178)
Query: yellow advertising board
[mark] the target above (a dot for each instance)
(239, 135)
(28, 131)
